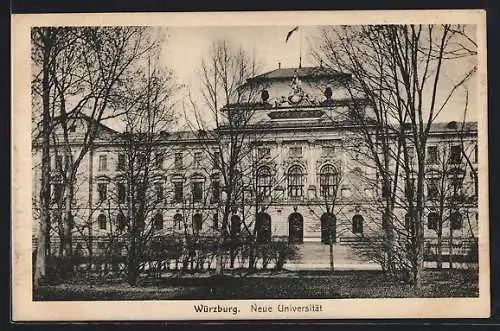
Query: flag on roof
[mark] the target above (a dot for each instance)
(291, 32)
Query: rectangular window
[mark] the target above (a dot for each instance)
(57, 192)
(197, 191)
(103, 162)
(264, 153)
(432, 155)
(296, 151)
(455, 154)
(411, 152)
(197, 159)
(159, 161)
(140, 191)
(476, 154)
(433, 220)
(67, 162)
(456, 185)
(432, 188)
(456, 220)
(59, 162)
(121, 192)
(216, 160)
(178, 191)
(215, 190)
(102, 189)
(159, 191)
(122, 161)
(178, 162)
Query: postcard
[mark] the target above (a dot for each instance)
(250, 165)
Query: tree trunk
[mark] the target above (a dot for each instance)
(43, 234)
(451, 247)
(331, 255)
(439, 257)
(67, 225)
(418, 262)
(132, 264)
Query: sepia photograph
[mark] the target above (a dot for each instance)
(250, 166)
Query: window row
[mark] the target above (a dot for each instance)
(196, 186)
(328, 177)
(454, 155)
(157, 160)
(263, 225)
(179, 222)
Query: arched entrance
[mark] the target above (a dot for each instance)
(295, 228)
(328, 228)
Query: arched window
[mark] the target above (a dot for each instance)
(263, 226)
(101, 220)
(177, 221)
(328, 228)
(235, 225)
(263, 183)
(328, 181)
(357, 224)
(295, 182)
(158, 221)
(121, 221)
(433, 220)
(456, 220)
(295, 228)
(197, 223)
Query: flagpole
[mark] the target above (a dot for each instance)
(300, 48)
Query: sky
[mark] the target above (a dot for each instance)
(185, 47)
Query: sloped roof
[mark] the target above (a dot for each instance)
(304, 72)
(454, 126)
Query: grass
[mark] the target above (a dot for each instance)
(284, 285)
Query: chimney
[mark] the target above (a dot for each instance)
(321, 63)
(279, 65)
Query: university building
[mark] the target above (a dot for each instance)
(307, 161)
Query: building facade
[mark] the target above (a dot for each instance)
(305, 159)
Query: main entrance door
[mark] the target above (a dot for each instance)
(295, 228)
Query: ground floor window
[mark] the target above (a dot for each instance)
(158, 221)
(456, 221)
(433, 220)
(177, 221)
(101, 220)
(357, 224)
(197, 223)
(235, 225)
(121, 221)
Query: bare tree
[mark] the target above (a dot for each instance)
(144, 152)
(398, 71)
(225, 121)
(77, 72)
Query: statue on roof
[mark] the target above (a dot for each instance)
(297, 93)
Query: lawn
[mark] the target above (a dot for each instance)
(283, 285)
